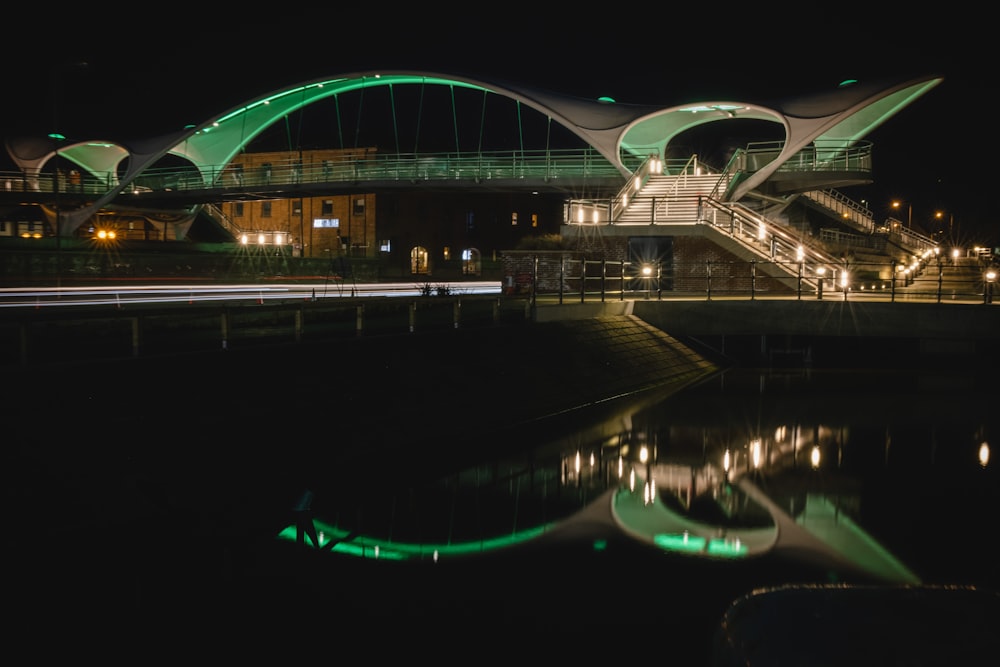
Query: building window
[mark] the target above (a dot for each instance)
(265, 209)
(534, 219)
(359, 206)
(513, 219)
(418, 260)
(297, 207)
(327, 208)
(471, 262)
(238, 210)
(447, 253)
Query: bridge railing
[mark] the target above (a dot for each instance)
(515, 164)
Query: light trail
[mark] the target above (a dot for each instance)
(46, 297)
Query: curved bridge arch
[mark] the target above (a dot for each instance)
(840, 118)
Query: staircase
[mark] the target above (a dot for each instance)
(688, 201)
(217, 215)
(673, 200)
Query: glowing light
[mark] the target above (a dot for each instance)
(814, 457)
(727, 461)
(643, 454)
(260, 239)
(984, 454)
(755, 452)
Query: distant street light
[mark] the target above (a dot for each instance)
(896, 204)
(939, 215)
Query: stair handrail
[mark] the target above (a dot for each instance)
(224, 220)
(736, 164)
(698, 168)
(857, 215)
(775, 242)
(652, 164)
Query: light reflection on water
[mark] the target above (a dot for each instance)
(878, 475)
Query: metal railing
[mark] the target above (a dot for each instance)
(572, 279)
(478, 166)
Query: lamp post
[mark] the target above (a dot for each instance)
(896, 204)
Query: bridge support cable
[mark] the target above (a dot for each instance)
(482, 125)
(361, 107)
(454, 119)
(520, 130)
(340, 125)
(395, 121)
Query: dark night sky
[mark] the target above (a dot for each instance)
(151, 76)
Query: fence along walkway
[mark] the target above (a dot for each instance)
(570, 277)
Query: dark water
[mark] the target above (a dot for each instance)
(760, 479)
(653, 514)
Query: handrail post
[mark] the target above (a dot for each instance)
(753, 278)
(604, 277)
(708, 278)
(562, 277)
(892, 282)
(534, 282)
(940, 279)
(583, 279)
(621, 284)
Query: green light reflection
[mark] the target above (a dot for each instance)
(339, 541)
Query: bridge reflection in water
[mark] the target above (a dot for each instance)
(867, 477)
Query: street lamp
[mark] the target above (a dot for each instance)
(647, 274)
(896, 204)
(939, 215)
